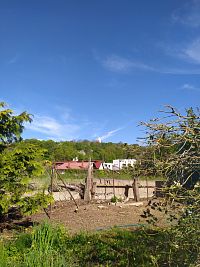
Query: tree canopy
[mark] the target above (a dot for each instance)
(11, 126)
(67, 150)
(18, 163)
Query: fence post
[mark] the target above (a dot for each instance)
(136, 190)
(126, 191)
(94, 186)
(88, 184)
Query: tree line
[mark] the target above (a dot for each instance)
(83, 150)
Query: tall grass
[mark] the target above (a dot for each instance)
(3, 255)
(51, 246)
(43, 247)
(48, 248)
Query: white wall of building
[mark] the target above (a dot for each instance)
(107, 166)
(117, 164)
(122, 163)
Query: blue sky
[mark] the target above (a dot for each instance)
(88, 69)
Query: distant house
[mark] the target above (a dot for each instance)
(76, 165)
(97, 164)
(122, 163)
(106, 166)
(118, 164)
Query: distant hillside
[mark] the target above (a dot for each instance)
(67, 150)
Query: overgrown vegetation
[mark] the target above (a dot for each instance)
(51, 246)
(174, 140)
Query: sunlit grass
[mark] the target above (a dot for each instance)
(52, 246)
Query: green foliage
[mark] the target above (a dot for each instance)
(67, 150)
(18, 164)
(179, 208)
(51, 246)
(115, 199)
(11, 126)
(46, 243)
(175, 144)
(42, 248)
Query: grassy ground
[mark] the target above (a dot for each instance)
(47, 245)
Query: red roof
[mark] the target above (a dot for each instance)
(76, 165)
(97, 164)
(71, 165)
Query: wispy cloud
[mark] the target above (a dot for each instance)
(13, 60)
(64, 112)
(52, 127)
(188, 14)
(110, 133)
(190, 87)
(186, 55)
(120, 64)
(116, 63)
(123, 65)
(192, 51)
(187, 52)
(180, 71)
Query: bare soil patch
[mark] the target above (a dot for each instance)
(92, 216)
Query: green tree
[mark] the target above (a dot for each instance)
(175, 142)
(18, 163)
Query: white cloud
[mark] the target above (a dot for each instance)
(52, 127)
(188, 14)
(192, 52)
(190, 87)
(110, 133)
(187, 57)
(116, 63)
(121, 64)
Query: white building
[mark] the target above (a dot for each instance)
(117, 164)
(106, 166)
(122, 163)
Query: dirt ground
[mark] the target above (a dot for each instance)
(93, 216)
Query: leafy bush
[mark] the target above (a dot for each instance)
(18, 164)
